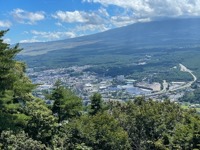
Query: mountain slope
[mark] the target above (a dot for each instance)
(168, 42)
(158, 33)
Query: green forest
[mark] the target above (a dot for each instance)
(28, 123)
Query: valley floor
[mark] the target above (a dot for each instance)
(85, 83)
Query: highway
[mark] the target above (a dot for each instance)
(165, 84)
(185, 69)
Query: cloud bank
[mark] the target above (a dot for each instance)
(80, 16)
(37, 36)
(26, 17)
(155, 8)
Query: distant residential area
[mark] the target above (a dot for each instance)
(119, 88)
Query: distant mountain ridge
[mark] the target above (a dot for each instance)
(176, 32)
(128, 40)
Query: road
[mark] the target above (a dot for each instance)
(165, 84)
(185, 69)
(164, 90)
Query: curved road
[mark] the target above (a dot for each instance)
(184, 69)
(165, 84)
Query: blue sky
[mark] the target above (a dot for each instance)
(49, 20)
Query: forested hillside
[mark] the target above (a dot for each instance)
(27, 122)
(160, 45)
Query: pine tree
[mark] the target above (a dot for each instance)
(66, 104)
(15, 87)
(7, 65)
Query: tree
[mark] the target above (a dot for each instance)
(158, 125)
(7, 65)
(66, 104)
(100, 131)
(191, 96)
(42, 123)
(96, 103)
(15, 87)
(11, 71)
(17, 141)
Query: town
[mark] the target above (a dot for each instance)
(120, 88)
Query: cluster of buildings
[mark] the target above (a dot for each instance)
(85, 83)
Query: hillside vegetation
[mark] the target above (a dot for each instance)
(160, 45)
(27, 122)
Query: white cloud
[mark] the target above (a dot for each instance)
(70, 17)
(103, 12)
(42, 36)
(85, 22)
(155, 8)
(26, 17)
(80, 17)
(5, 24)
(119, 21)
(29, 41)
(131, 11)
(90, 27)
(7, 40)
(52, 35)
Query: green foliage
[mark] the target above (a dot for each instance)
(18, 141)
(7, 65)
(61, 139)
(191, 96)
(82, 147)
(96, 103)
(100, 131)
(14, 87)
(42, 123)
(11, 114)
(67, 105)
(12, 75)
(158, 125)
(22, 84)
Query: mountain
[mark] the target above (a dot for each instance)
(174, 37)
